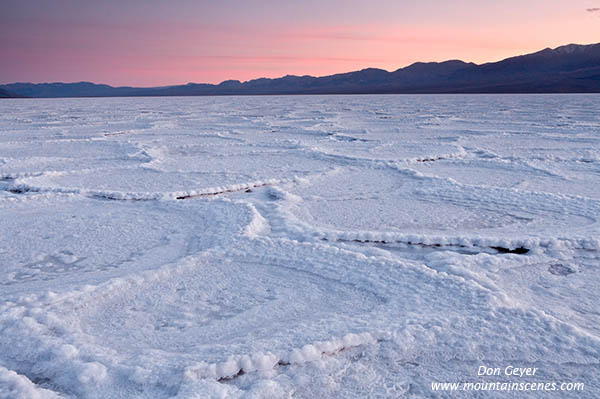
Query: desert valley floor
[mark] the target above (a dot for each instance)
(298, 246)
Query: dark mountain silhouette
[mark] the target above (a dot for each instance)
(567, 69)
(8, 94)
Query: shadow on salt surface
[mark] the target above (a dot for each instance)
(559, 269)
(74, 239)
(403, 246)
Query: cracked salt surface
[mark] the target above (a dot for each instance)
(326, 246)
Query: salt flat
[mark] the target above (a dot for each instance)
(298, 246)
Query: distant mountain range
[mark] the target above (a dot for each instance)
(567, 69)
(8, 94)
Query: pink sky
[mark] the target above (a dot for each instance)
(154, 42)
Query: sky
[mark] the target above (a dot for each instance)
(166, 42)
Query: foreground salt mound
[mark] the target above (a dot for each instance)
(254, 310)
(15, 386)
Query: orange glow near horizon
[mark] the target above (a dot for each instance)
(146, 44)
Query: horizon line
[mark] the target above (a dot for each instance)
(291, 75)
